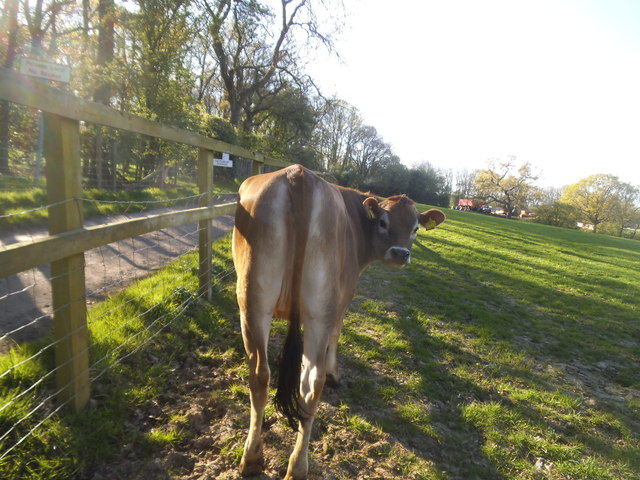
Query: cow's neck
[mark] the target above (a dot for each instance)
(360, 225)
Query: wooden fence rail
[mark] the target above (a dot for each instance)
(69, 239)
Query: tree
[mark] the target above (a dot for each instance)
(256, 50)
(335, 134)
(285, 127)
(627, 212)
(465, 187)
(36, 28)
(595, 198)
(102, 94)
(548, 195)
(428, 184)
(163, 89)
(557, 213)
(42, 22)
(391, 180)
(203, 63)
(497, 184)
(371, 153)
(9, 24)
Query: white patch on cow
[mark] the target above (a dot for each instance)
(271, 274)
(384, 220)
(414, 231)
(321, 264)
(308, 385)
(388, 255)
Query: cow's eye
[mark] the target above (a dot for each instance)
(415, 230)
(383, 224)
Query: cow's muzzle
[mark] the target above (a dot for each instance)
(398, 256)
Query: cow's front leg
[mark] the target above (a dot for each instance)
(312, 381)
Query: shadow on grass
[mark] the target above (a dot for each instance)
(428, 420)
(479, 303)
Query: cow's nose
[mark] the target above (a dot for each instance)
(401, 254)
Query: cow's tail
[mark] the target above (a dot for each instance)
(287, 398)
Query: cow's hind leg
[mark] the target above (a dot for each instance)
(311, 384)
(333, 374)
(255, 333)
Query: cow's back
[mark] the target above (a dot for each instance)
(282, 217)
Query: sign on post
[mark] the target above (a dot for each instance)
(225, 161)
(46, 70)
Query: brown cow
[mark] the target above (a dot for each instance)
(299, 246)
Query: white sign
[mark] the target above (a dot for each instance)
(225, 161)
(46, 70)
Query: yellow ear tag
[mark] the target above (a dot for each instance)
(431, 224)
(372, 213)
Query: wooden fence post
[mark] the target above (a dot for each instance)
(257, 167)
(205, 185)
(64, 186)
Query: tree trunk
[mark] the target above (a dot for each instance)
(150, 156)
(5, 111)
(235, 111)
(114, 157)
(99, 157)
(106, 32)
(11, 14)
(106, 28)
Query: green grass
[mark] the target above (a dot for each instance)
(27, 205)
(503, 346)
(153, 323)
(17, 182)
(505, 342)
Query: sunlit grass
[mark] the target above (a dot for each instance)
(26, 206)
(158, 318)
(506, 350)
(510, 342)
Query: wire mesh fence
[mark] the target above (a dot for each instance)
(80, 297)
(113, 160)
(117, 329)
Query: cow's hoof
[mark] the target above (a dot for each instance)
(249, 469)
(293, 477)
(332, 381)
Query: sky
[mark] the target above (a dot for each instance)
(458, 82)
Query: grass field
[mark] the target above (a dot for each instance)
(24, 205)
(507, 350)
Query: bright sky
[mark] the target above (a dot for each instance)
(456, 82)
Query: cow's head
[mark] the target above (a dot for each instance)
(396, 222)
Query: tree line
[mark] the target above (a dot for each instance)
(230, 69)
(235, 70)
(600, 203)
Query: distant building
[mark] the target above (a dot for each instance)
(465, 204)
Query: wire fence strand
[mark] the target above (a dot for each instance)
(109, 269)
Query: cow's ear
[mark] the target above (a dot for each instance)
(431, 218)
(371, 207)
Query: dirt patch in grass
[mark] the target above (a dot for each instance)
(207, 410)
